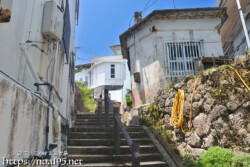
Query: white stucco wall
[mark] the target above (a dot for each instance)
(148, 56)
(23, 122)
(100, 75)
(29, 131)
(81, 76)
(25, 24)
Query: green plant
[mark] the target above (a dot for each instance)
(170, 89)
(217, 93)
(145, 121)
(241, 160)
(125, 123)
(216, 156)
(128, 99)
(87, 96)
(188, 162)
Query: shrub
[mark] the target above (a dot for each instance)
(216, 156)
(87, 96)
(241, 160)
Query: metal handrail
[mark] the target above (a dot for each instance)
(134, 147)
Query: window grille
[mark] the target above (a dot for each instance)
(180, 57)
(112, 72)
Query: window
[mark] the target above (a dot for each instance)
(180, 57)
(112, 72)
(86, 78)
(80, 79)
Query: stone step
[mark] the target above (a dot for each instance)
(92, 116)
(101, 135)
(115, 158)
(94, 123)
(91, 120)
(105, 142)
(143, 164)
(80, 128)
(108, 150)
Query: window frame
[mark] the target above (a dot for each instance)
(112, 71)
(180, 57)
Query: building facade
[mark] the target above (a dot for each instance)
(232, 34)
(81, 73)
(161, 48)
(110, 72)
(36, 47)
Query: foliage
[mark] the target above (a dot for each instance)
(152, 111)
(125, 123)
(188, 162)
(216, 156)
(219, 157)
(128, 99)
(217, 93)
(162, 131)
(241, 160)
(87, 96)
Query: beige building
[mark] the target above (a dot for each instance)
(161, 48)
(36, 46)
(232, 34)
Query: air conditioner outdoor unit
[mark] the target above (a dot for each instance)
(52, 25)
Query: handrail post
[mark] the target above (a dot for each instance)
(99, 110)
(116, 134)
(106, 93)
(135, 153)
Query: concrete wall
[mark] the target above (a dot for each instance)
(148, 56)
(25, 24)
(23, 121)
(20, 110)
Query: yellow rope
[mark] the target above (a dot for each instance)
(177, 118)
(177, 110)
(238, 76)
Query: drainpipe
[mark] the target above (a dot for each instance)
(243, 24)
(47, 149)
(32, 69)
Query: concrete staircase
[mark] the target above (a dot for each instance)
(94, 144)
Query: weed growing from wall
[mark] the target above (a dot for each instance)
(87, 96)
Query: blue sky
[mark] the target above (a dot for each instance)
(102, 21)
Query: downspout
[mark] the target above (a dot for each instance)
(243, 25)
(32, 69)
(47, 149)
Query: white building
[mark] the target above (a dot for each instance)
(161, 47)
(110, 72)
(81, 73)
(36, 46)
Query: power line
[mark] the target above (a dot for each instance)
(145, 8)
(174, 4)
(146, 5)
(149, 6)
(82, 59)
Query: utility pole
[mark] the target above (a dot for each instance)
(243, 24)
